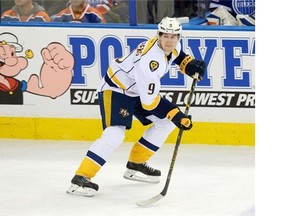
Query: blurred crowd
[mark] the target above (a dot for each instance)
(217, 12)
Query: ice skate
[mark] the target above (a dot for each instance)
(142, 172)
(82, 186)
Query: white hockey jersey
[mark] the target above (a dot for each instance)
(139, 73)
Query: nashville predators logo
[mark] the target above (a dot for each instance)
(153, 65)
(124, 113)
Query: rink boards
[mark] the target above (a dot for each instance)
(223, 106)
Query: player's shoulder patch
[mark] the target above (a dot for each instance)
(153, 65)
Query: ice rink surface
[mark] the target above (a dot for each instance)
(207, 180)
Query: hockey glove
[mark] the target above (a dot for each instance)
(196, 66)
(180, 119)
(191, 66)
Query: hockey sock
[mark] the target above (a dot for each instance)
(140, 153)
(100, 151)
(88, 168)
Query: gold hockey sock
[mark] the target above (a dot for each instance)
(140, 153)
(88, 168)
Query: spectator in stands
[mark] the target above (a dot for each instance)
(142, 12)
(26, 11)
(79, 11)
(185, 8)
(158, 9)
(202, 8)
(109, 3)
(52, 7)
(121, 7)
(105, 7)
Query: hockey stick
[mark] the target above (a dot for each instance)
(165, 189)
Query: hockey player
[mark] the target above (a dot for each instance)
(131, 88)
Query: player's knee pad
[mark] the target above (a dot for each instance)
(164, 125)
(111, 138)
(158, 133)
(114, 135)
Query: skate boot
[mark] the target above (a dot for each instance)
(82, 186)
(142, 172)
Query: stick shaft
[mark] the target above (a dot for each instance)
(179, 137)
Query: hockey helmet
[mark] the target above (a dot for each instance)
(170, 25)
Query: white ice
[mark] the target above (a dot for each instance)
(207, 180)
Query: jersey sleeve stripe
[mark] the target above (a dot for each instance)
(115, 79)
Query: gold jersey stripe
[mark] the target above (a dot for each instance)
(172, 113)
(149, 45)
(115, 79)
(153, 105)
(107, 96)
(174, 52)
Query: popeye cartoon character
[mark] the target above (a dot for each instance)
(55, 73)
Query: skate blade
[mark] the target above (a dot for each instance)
(140, 177)
(79, 191)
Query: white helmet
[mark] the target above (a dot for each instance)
(170, 25)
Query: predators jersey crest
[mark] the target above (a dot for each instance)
(153, 65)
